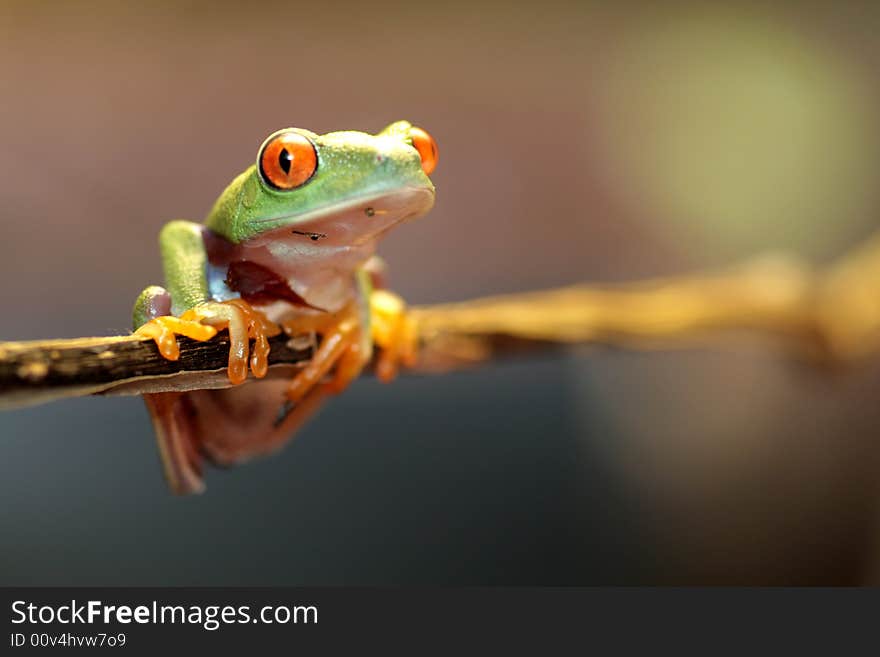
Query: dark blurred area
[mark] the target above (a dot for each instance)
(577, 142)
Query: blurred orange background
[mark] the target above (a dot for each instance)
(577, 142)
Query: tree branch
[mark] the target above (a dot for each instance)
(40, 371)
(831, 316)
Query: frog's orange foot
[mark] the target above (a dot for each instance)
(164, 331)
(202, 323)
(340, 348)
(395, 332)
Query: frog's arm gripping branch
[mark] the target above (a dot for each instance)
(830, 316)
(184, 262)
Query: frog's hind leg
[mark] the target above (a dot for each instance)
(340, 347)
(224, 427)
(349, 365)
(172, 414)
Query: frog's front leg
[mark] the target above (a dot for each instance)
(153, 302)
(187, 309)
(204, 321)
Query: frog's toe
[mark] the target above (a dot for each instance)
(395, 332)
(332, 347)
(153, 302)
(164, 331)
(244, 324)
(202, 322)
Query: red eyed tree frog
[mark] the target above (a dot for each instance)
(289, 246)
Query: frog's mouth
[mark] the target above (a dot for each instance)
(351, 224)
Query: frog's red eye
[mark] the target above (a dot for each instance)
(288, 160)
(427, 148)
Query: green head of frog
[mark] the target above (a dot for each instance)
(346, 186)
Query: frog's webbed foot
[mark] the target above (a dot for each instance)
(340, 347)
(395, 332)
(202, 323)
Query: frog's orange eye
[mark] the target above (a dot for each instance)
(288, 160)
(427, 148)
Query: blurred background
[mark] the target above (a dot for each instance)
(578, 142)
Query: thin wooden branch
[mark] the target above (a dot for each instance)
(36, 372)
(832, 315)
(40, 371)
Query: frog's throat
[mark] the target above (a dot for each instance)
(320, 270)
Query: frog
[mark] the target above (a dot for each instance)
(288, 247)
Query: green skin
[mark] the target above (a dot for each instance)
(354, 169)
